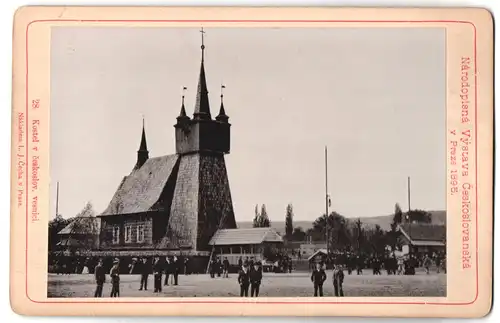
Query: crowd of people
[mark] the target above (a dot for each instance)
(169, 267)
(392, 264)
(166, 270)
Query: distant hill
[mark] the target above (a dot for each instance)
(438, 217)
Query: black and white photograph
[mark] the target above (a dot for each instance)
(238, 162)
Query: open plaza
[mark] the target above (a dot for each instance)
(296, 284)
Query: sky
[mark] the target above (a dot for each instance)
(374, 96)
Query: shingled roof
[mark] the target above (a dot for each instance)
(424, 232)
(229, 237)
(81, 225)
(139, 191)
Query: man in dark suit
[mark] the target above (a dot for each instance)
(157, 271)
(145, 271)
(318, 277)
(100, 278)
(255, 280)
(186, 266)
(338, 280)
(175, 270)
(225, 265)
(244, 280)
(115, 279)
(240, 263)
(218, 266)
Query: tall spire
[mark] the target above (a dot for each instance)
(202, 105)
(142, 153)
(182, 115)
(222, 117)
(144, 145)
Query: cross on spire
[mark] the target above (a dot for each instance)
(202, 43)
(202, 106)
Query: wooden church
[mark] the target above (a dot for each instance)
(173, 204)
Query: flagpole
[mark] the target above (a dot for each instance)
(326, 201)
(409, 209)
(57, 200)
(409, 197)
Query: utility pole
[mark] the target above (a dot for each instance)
(326, 202)
(409, 196)
(57, 200)
(409, 214)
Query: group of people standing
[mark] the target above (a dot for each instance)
(250, 275)
(392, 264)
(216, 267)
(169, 267)
(318, 278)
(100, 278)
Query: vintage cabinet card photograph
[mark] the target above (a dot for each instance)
(252, 161)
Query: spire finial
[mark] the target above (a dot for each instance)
(202, 44)
(183, 94)
(142, 153)
(183, 116)
(222, 117)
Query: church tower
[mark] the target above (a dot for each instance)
(202, 133)
(142, 153)
(201, 143)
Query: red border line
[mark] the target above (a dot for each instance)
(253, 302)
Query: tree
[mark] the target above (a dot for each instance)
(256, 218)
(336, 226)
(298, 234)
(358, 227)
(261, 220)
(264, 221)
(289, 222)
(418, 216)
(392, 236)
(377, 240)
(398, 214)
(55, 226)
(83, 229)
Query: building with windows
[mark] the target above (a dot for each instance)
(234, 244)
(173, 204)
(419, 238)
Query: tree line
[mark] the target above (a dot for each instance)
(344, 234)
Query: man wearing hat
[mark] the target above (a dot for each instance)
(100, 278)
(175, 270)
(157, 271)
(318, 277)
(338, 280)
(145, 271)
(225, 265)
(115, 279)
(255, 279)
(244, 279)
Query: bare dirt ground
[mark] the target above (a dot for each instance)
(273, 285)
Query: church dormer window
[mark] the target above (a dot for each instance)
(116, 234)
(140, 233)
(128, 234)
